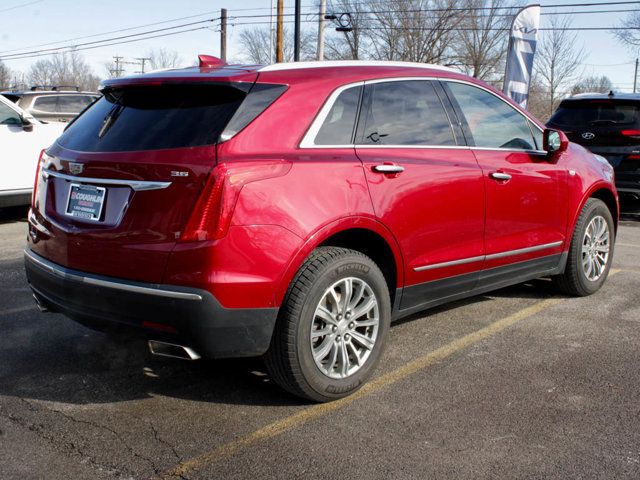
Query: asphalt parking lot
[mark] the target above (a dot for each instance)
(519, 383)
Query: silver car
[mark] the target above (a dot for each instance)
(52, 105)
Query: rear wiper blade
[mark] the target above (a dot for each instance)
(110, 119)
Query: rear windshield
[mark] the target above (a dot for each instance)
(153, 118)
(590, 113)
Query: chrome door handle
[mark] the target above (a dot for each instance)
(388, 168)
(500, 176)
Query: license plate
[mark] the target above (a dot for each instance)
(85, 201)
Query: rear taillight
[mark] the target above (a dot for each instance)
(212, 214)
(36, 180)
(633, 157)
(631, 133)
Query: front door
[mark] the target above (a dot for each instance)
(526, 194)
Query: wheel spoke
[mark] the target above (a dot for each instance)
(368, 322)
(354, 351)
(323, 349)
(589, 268)
(333, 297)
(333, 355)
(344, 359)
(365, 307)
(321, 333)
(325, 315)
(362, 340)
(346, 295)
(357, 297)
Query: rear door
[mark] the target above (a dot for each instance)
(425, 184)
(117, 188)
(526, 194)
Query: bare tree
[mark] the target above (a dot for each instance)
(69, 69)
(413, 30)
(480, 42)
(558, 60)
(255, 45)
(593, 85)
(163, 58)
(349, 43)
(5, 76)
(630, 36)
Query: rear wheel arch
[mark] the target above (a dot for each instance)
(362, 234)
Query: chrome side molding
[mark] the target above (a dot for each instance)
(508, 253)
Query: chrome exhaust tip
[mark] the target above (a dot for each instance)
(171, 350)
(41, 306)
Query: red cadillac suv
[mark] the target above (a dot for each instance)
(295, 210)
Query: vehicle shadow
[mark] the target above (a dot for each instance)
(13, 214)
(48, 357)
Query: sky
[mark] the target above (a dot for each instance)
(30, 23)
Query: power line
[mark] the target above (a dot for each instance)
(15, 7)
(113, 43)
(109, 32)
(49, 51)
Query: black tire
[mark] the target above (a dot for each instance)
(574, 280)
(289, 359)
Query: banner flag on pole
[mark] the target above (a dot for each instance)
(522, 47)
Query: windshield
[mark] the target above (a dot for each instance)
(154, 118)
(588, 113)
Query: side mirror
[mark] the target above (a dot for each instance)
(554, 141)
(27, 126)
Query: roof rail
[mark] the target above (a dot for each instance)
(54, 88)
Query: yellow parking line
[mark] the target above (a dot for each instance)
(304, 416)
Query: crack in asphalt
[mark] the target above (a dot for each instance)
(39, 429)
(115, 433)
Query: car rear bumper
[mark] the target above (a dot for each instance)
(179, 315)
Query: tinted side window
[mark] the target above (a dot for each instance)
(153, 118)
(8, 116)
(405, 113)
(46, 104)
(493, 123)
(337, 128)
(73, 103)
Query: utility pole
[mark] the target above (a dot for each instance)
(321, 19)
(635, 77)
(118, 70)
(143, 61)
(223, 34)
(296, 33)
(280, 33)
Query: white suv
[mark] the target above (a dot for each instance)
(22, 137)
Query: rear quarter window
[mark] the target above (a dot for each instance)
(47, 104)
(153, 118)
